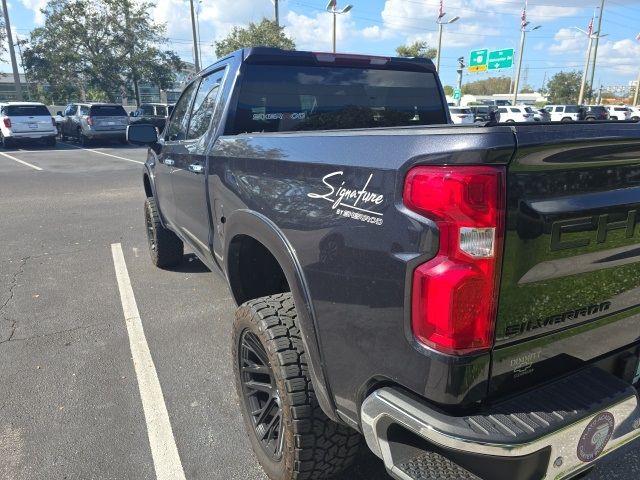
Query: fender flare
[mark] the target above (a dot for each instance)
(255, 225)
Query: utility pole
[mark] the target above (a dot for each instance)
(12, 52)
(635, 98)
(196, 57)
(460, 71)
(277, 13)
(26, 79)
(595, 50)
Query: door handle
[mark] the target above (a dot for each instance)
(196, 168)
(168, 161)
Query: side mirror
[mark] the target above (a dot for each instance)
(59, 113)
(142, 134)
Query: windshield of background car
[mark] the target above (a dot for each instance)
(108, 111)
(529, 110)
(286, 98)
(27, 111)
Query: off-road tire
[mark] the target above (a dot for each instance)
(83, 140)
(165, 248)
(314, 446)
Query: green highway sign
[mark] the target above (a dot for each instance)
(478, 58)
(457, 94)
(499, 59)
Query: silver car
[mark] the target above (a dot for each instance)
(94, 121)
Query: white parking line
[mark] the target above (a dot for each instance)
(103, 153)
(20, 161)
(166, 459)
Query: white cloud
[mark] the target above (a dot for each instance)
(568, 40)
(35, 6)
(315, 32)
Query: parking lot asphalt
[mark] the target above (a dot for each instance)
(70, 401)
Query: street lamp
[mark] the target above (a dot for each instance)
(441, 22)
(592, 36)
(460, 71)
(523, 33)
(332, 7)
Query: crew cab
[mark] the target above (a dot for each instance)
(463, 300)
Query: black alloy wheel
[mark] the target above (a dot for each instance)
(260, 395)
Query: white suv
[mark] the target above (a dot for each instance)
(619, 112)
(519, 113)
(635, 113)
(26, 121)
(564, 113)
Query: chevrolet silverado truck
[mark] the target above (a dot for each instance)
(464, 300)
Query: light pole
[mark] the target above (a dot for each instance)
(12, 52)
(196, 56)
(592, 35)
(441, 22)
(19, 44)
(332, 7)
(523, 35)
(276, 12)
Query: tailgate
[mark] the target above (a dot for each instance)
(570, 290)
(22, 124)
(110, 123)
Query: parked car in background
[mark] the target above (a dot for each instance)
(519, 113)
(619, 112)
(564, 113)
(541, 115)
(635, 113)
(94, 121)
(485, 113)
(27, 121)
(153, 113)
(595, 112)
(461, 115)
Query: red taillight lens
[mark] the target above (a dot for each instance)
(454, 295)
(7, 122)
(90, 121)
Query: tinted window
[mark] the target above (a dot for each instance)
(27, 110)
(177, 129)
(515, 110)
(145, 110)
(461, 110)
(108, 111)
(572, 109)
(161, 110)
(528, 110)
(204, 105)
(283, 98)
(84, 110)
(502, 110)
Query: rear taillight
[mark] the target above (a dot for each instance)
(454, 295)
(90, 121)
(7, 122)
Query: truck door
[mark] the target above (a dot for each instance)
(174, 148)
(189, 179)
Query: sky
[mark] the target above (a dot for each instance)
(377, 27)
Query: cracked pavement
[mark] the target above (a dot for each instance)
(69, 400)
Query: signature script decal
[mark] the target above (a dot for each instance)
(351, 202)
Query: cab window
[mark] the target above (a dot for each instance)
(204, 105)
(177, 128)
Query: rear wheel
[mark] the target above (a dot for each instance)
(165, 248)
(566, 119)
(7, 142)
(290, 434)
(510, 121)
(83, 140)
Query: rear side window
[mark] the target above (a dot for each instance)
(515, 110)
(572, 109)
(204, 105)
(27, 111)
(108, 111)
(161, 110)
(287, 98)
(146, 110)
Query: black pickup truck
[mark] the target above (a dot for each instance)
(464, 299)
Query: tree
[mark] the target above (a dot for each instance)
(267, 33)
(488, 86)
(106, 47)
(564, 87)
(448, 90)
(416, 49)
